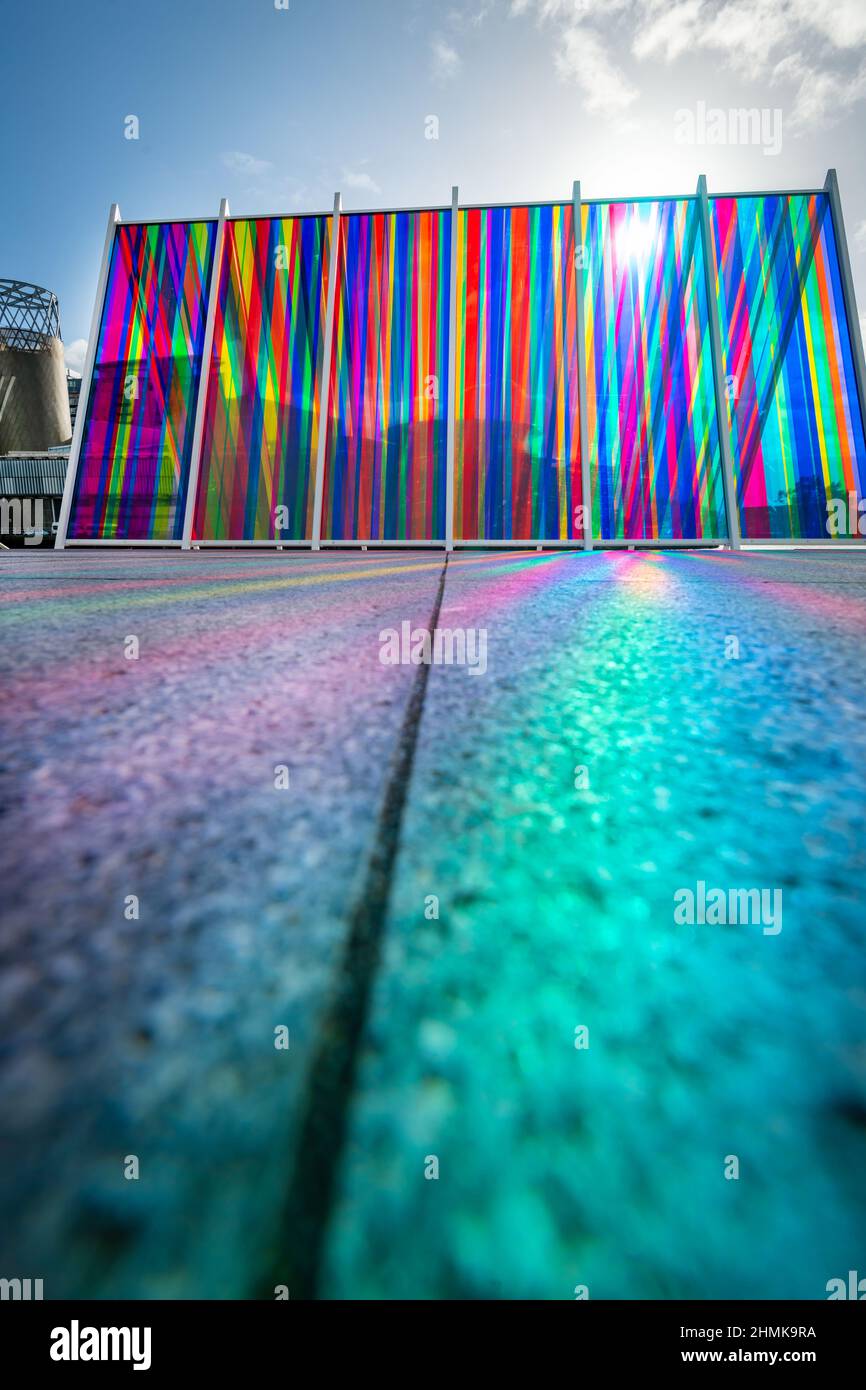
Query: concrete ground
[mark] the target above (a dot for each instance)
(456, 891)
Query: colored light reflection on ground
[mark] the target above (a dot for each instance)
(557, 1166)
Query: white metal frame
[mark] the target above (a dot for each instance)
(380, 544)
(321, 542)
(114, 541)
(324, 385)
(718, 369)
(532, 542)
(451, 404)
(831, 188)
(585, 471)
(60, 541)
(204, 377)
(275, 544)
(618, 543)
(589, 540)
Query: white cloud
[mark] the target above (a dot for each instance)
(484, 9)
(752, 35)
(822, 96)
(669, 33)
(842, 22)
(569, 10)
(237, 162)
(749, 32)
(445, 60)
(745, 32)
(757, 39)
(74, 354)
(356, 178)
(581, 54)
(461, 20)
(860, 237)
(583, 58)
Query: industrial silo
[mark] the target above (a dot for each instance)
(34, 400)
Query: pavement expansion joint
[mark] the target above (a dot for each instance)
(301, 1232)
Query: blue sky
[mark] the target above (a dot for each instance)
(278, 108)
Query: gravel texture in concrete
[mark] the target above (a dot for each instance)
(464, 873)
(158, 777)
(646, 723)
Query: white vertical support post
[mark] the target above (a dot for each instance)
(204, 376)
(86, 379)
(708, 256)
(452, 377)
(585, 475)
(831, 185)
(324, 384)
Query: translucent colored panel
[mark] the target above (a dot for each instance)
(387, 430)
(796, 428)
(134, 466)
(655, 459)
(517, 437)
(262, 415)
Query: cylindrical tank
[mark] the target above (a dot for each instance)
(34, 398)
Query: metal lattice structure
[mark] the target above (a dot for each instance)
(29, 316)
(34, 400)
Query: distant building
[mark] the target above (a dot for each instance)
(38, 402)
(34, 398)
(31, 490)
(73, 387)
